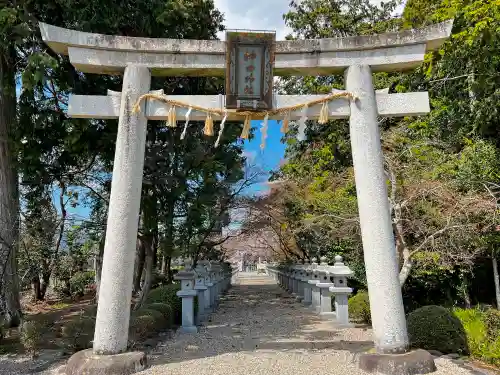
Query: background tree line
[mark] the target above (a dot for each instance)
(52, 166)
(443, 169)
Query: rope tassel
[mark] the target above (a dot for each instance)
(301, 135)
(323, 114)
(222, 124)
(246, 127)
(285, 124)
(209, 125)
(188, 116)
(171, 119)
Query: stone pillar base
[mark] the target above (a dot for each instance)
(411, 363)
(86, 362)
(188, 330)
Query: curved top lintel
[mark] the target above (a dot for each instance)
(59, 39)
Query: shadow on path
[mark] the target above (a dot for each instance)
(257, 315)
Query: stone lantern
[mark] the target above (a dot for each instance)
(340, 272)
(325, 307)
(187, 293)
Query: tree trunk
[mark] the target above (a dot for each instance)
(45, 284)
(10, 307)
(163, 268)
(139, 264)
(496, 280)
(98, 265)
(168, 267)
(148, 272)
(35, 283)
(47, 272)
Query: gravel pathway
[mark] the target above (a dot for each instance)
(260, 329)
(257, 329)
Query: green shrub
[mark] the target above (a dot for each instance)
(165, 309)
(475, 329)
(481, 327)
(78, 334)
(79, 281)
(167, 294)
(160, 321)
(437, 328)
(31, 336)
(492, 321)
(359, 308)
(140, 328)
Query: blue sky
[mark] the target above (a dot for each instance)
(265, 160)
(268, 159)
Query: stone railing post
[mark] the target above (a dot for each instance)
(340, 290)
(215, 281)
(200, 288)
(234, 276)
(208, 291)
(306, 276)
(187, 293)
(315, 292)
(300, 284)
(293, 280)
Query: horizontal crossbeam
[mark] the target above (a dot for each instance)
(108, 107)
(297, 64)
(110, 54)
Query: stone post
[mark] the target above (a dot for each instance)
(200, 288)
(300, 283)
(115, 292)
(209, 285)
(340, 290)
(213, 290)
(187, 293)
(386, 302)
(315, 292)
(307, 288)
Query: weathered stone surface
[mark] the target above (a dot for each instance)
(400, 58)
(411, 363)
(97, 53)
(108, 107)
(386, 302)
(113, 313)
(86, 362)
(59, 39)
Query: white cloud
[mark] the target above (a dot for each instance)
(257, 15)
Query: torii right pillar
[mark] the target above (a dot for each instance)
(388, 316)
(386, 303)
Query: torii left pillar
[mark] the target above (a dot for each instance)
(115, 292)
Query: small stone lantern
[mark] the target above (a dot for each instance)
(340, 290)
(187, 293)
(325, 308)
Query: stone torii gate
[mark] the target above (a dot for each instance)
(140, 58)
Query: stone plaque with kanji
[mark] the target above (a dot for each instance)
(249, 70)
